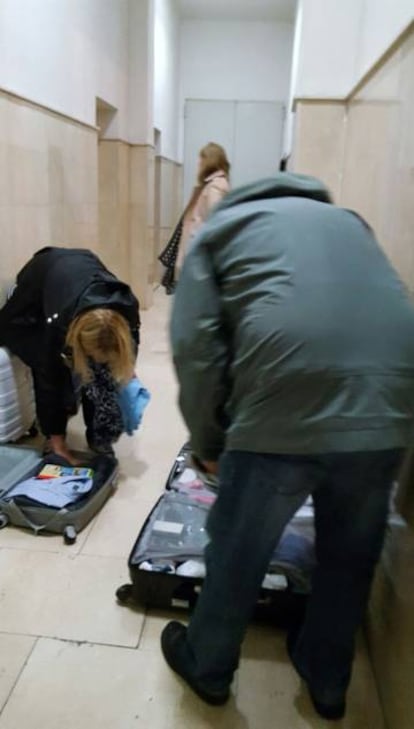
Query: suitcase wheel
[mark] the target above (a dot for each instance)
(69, 535)
(4, 520)
(124, 594)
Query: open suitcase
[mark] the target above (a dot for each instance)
(17, 464)
(17, 405)
(166, 563)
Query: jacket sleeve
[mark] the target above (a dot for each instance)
(201, 354)
(54, 391)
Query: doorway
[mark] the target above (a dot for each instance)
(251, 132)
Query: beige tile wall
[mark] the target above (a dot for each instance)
(141, 221)
(363, 150)
(378, 177)
(126, 213)
(390, 628)
(48, 182)
(374, 174)
(60, 186)
(114, 193)
(157, 218)
(378, 181)
(370, 148)
(319, 142)
(170, 206)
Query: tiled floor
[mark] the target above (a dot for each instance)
(71, 658)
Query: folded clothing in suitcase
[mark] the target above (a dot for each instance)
(17, 405)
(77, 499)
(166, 564)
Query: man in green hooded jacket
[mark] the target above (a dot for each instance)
(293, 341)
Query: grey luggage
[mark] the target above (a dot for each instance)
(18, 464)
(17, 405)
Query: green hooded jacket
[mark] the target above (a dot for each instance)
(291, 332)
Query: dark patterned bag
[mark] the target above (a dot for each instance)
(168, 258)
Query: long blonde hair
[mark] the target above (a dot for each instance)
(213, 159)
(104, 336)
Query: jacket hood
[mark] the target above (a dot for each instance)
(283, 184)
(108, 293)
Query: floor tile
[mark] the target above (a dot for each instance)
(144, 488)
(267, 684)
(68, 686)
(191, 713)
(364, 708)
(67, 597)
(13, 538)
(155, 622)
(266, 672)
(14, 652)
(117, 527)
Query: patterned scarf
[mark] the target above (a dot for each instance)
(102, 391)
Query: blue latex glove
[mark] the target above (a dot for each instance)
(133, 398)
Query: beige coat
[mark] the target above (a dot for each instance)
(203, 199)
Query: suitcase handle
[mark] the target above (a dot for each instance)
(13, 508)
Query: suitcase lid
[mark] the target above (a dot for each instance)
(16, 464)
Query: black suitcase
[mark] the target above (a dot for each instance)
(174, 535)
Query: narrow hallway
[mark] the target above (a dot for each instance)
(106, 110)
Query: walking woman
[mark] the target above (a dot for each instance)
(212, 185)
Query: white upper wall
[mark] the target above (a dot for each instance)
(340, 41)
(140, 43)
(235, 60)
(327, 58)
(166, 75)
(65, 53)
(383, 21)
(281, 10)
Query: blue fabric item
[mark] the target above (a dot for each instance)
(133, 398)
(57, 492)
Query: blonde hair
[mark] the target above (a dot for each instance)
(104, 336)
(213, 159)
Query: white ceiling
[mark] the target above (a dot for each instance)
(282, 10)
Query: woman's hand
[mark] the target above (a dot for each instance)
(59, 448)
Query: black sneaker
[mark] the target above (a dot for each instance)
(173, 647)
(330, 711)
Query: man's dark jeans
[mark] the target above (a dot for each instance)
(258, 496)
